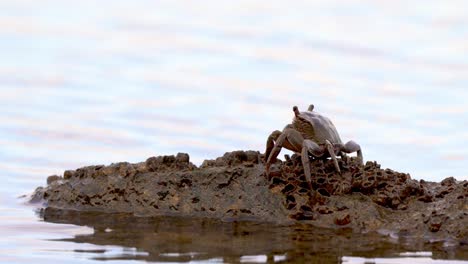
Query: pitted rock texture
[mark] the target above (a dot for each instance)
(231, 189)
(367, 198)
(387, 188)
(234, 187)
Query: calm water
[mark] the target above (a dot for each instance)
(94, 82)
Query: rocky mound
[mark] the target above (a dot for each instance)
(234, 187)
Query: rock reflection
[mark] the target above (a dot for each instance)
(170, 239)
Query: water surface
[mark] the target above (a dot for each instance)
(86, 82)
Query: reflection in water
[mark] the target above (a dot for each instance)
(169, 239)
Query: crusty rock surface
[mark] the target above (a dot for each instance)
(233, 187)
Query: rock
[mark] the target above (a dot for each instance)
(37, 196)
(153, 163)
(208, 163)
(234, 187)
(126, 169)
(324, 210)
(68, 174)
(110, 170)
(52, 179)
(448, 181)
(170, 162)
(253, 156)
(239, 157)
(342, 219)
(435, 224)
(182, 158)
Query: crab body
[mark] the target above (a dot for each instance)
(316, 127)
(310, 134)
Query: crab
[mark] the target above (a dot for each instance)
(310, 134)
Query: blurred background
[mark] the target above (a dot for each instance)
(91, 82)
(95, 82)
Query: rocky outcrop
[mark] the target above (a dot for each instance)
(233, 187)
(230, 187)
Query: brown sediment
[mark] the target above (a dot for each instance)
(364, 198)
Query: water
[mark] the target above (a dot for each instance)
(86, 82)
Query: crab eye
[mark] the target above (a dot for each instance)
(296, 110)
(311, 108)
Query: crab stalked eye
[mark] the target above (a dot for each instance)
(311, 108)
(296, 110)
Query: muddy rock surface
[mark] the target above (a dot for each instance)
(234, 187)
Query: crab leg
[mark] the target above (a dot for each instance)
(289, 138)
(274, 152)
(306, 164)
(352, 146)
(331, 151)
(311, 147)
(271, 143)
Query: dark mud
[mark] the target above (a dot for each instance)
(363, 199)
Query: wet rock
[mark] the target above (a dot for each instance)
(342, 219)
(234, 187)
(302, 216)
(324, 210)
(435, 224)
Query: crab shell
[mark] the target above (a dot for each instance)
(316, 127)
